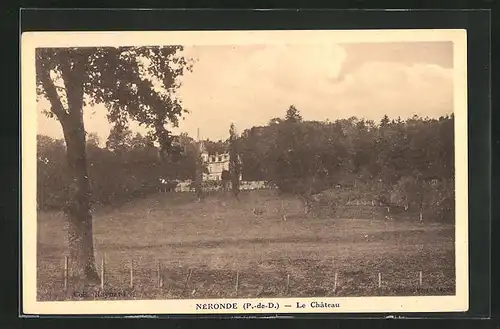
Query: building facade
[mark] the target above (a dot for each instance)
(215, 165)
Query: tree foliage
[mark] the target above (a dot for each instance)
(135, 83)
(216, 147)
(119, 139)
(410, 162)
(115, 177)
(292, 114)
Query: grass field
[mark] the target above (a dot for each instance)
(219, 236)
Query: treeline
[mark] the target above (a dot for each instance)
(407, 164)
(399, 163)
(127, 167)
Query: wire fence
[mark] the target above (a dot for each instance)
(130, 280)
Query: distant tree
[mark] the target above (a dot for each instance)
(299, 161)
(275, 121)
(234, 160)
(254, 144)
(132, 82)
(140, 142)
(407, 163)
(186, 166)
(217, 147)
(293, 115)
(384, 122)
(199, 170)
(93, 139)
(52, 180)
(119, 139)
(182, 161)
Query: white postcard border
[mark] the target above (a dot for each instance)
(32, 40)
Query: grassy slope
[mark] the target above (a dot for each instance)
(217, 237)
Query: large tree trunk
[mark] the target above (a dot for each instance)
(80, 233)
(73, 66)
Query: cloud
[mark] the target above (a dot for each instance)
(379, 88)
(293, 67)
(250, 89)
(439, 53)
(251, 84)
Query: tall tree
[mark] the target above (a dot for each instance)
(384, 122)
(199, 170)
(293, 115)
(234, 160)
(119, 139)
(253, 145)
(299, 161)
(132, 82)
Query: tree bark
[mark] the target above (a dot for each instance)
(73, 66)
(235, 178)
(198, 179)
(80, 231)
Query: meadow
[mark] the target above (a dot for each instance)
(212, 240)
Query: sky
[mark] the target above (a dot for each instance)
(250, 84)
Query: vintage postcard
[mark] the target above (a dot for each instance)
(244, 172)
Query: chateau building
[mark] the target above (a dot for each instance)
(215, 165)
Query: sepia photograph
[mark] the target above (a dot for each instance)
(244, 172)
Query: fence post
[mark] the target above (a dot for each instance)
(187, 279)
(65, 273)
(283, 210)
(287, 284)
(237, 282)
(335, 283)
(131, 273)
(102, 270)
(420, 278)
(379, 280)
(158, 274)
(160, 283)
